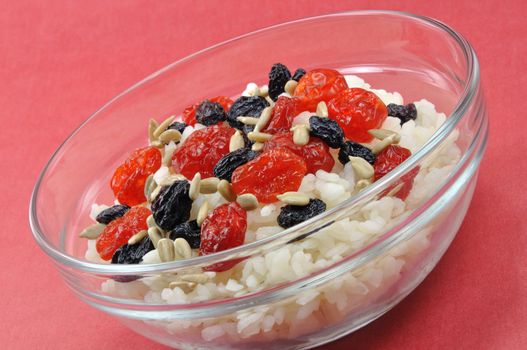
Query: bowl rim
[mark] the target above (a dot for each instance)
(466, 97)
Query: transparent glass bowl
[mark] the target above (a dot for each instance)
(416, 56)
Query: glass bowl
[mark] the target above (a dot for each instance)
(416, 56)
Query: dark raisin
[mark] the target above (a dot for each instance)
(299, 73)
(179, 126)
(229, 162)
(405, 113)
(278, 76)
(108, 215)
(353, 149)
(190, 231)
(245, 106)
(291, 215)
(210, 113)
(132, 254)
(327, 130)
(172, 205)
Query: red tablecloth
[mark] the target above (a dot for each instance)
(61, 60)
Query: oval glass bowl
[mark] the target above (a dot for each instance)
(416, 56)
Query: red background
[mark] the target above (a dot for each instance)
(61, 60)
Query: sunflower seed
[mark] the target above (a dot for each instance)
(257, 146)
(167, 157)
(150, 221)
(199, 278)
(362, 169)
(301, 134)
(264, 119)
(186, 287)
(294, 198)
(263, 90)
(165, 250)
(137, 237)
(270, 101)
(395, 190)
(247, 201)
(225, 189)
(157, 144)
(381, 134)
(380, 146)
(155, 235)
(236, 141)
(182, 249)
(152, 126)
(248, 120)
(252, 89)
(163, 126)
(170, 179)
(290, 87)
(92, 231)
(193, 191)
(362, 184)
(170, 135)
(202, 213)
(209, 185)
(322, 109)
(150, 186)
(258, 136)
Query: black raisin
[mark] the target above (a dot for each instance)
(278, 76)
(108, 215)
(172, 205)
(132, 254)
(299, 73)
(210, 113)
(179, 126)
(245, 106)
(327, 130)
(229, 162)
(405, 113)
(353, 149)
(291, 215)
(190, 231)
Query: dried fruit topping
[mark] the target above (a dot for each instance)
(319, 85)
(190, 231)
(357, 111)
(189, 113)
(284, 111)
(388, 160)
(179, 126)
(353, 149)
(118, 232)
(291, 215)
(245, 106)
(278, 76)
(128, 180)
(272, 173)
(327, 130)
(108, 215)
(315, 153)
(210, 113)
(132, 254)
(230, 162)
(222, 229)
(202, 150)
(405, 113)
(299, 73)
(172, 205)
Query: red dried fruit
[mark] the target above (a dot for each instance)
(202, 150)
(223, 229)
(284, 111)
(118, 232)
(388, 160)
(319, 85)
(128, 180)
(315, 153)
(189, 113)
(272, 173)
(357, 111)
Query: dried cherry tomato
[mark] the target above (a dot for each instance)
(128, 180)
(202, 150)
(357, 111)
(315, 153)
(284, 111)
(319, 85)
(272, 173)
(388, 160)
